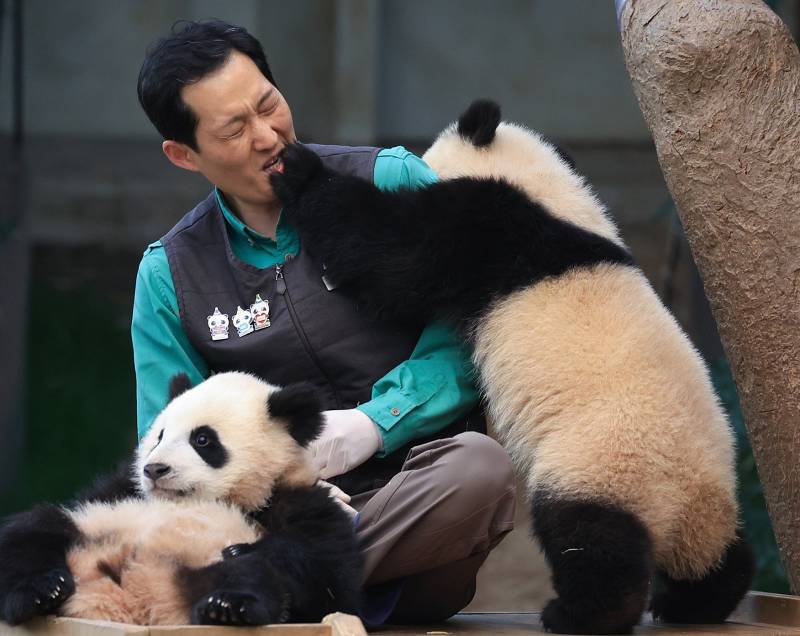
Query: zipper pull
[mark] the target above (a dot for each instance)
(279, 281)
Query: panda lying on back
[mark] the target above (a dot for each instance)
(218, 521)
(595, 392)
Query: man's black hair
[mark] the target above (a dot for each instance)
(189, 53)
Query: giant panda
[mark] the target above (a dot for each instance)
(217, 520)
(596, 393)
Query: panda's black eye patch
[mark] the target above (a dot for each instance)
(207, 445)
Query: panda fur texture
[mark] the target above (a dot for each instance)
(218, 520)
(601, 400)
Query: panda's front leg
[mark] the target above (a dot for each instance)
(242, 589)
(34, 577)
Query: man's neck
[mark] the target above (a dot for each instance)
(261, 218)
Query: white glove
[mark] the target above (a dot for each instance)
(348, 439)
(340, 497)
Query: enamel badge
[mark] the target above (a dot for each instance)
(260, 311)
(218, 324)
(243, 321)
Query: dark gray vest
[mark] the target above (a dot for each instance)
(314, 335)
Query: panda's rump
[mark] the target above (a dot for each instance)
(596, 391)
(125, 565)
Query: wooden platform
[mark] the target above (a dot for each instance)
(759, 614)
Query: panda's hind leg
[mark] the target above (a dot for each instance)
(712, 598)
(600, 557)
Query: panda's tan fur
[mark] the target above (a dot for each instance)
(145, 542)
(591, 384)
(142, 543)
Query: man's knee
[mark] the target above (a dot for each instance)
(481, 465)
(473, 474)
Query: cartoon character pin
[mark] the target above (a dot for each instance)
(243, 321)
(260, 311)
(218, 324)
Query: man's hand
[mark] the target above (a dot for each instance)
(348, 439)
(340, 497)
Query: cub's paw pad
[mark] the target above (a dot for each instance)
(39, 595)
(235, 550)
(300, 166)
(225, 607)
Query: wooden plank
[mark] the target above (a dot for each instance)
(344, 625)
(338, 625)
(53, 626)
(770, 609)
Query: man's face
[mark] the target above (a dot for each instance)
(243, 125)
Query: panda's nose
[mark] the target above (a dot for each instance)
(154, 471)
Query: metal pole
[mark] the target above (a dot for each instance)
(14, 273)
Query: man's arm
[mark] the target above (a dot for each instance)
(160, 347)
(435, 386)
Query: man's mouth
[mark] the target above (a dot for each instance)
(273, 165)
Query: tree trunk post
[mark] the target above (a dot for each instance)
(718, 82)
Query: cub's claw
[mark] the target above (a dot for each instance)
(227, 607)
(39, 595)
(235, 550)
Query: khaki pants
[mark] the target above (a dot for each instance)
(428, 531)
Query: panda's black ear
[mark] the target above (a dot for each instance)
(179, 383)
(479, 122)
(300, 406)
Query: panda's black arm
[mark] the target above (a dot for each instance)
(34, 578)
(311, 541)
(111, 487)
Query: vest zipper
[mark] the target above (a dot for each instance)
(283, 290)
(279, 280)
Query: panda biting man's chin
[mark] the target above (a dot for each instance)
(218, 519)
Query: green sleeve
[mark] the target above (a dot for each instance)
(160, 346)
(435, 386)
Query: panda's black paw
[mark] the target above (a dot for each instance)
(236, 550)
(300, 166)
(38, 595)
(229, 607)
(566, 618)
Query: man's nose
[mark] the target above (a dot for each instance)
(264, 135)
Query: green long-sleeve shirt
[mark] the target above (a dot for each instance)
(416, 398)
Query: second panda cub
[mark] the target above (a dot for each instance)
(218, 521)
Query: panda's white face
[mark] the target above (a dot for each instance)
(526, 160)
(218, 442)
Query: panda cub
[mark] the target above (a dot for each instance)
(218, 520)
(598, 396)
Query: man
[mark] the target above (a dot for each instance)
(230, 287)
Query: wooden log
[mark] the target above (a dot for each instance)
(718, 82)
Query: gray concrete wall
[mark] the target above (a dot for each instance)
(555, 65)
(82, 60)
(406, 67)
(353, 70)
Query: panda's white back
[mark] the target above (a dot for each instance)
(526, 160)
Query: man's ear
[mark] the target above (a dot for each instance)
(179, 154)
